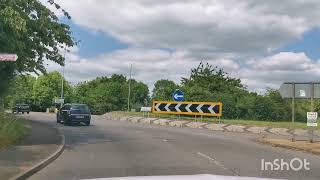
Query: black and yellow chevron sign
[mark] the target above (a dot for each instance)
(188, 108)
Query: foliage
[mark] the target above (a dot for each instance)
(12, 130)
(33, 32)
(209, 83)
(139, 95)
(20, 90)
(48, 87)
(108, 94)
(206, 83)
(163, 90)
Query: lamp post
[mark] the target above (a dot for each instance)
(129, 90)
(62, 79)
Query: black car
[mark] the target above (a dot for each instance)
(74, 113)
(21, 108)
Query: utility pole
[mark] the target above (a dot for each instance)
(129, 91)
(293, 112)
(62, 79)
(312, 110)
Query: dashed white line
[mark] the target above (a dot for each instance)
(215, 162)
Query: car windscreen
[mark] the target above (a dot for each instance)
(80, 108)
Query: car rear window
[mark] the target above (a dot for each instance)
(82, 108)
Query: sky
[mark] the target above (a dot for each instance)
(264, 43)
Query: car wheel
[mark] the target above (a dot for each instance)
(88, 123)
(67, 123)
(22, 112)
(28, 112)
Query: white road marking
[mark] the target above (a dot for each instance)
(215, 162)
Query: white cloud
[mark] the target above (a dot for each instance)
(148, 65)
(225, 33)
(283, 61)
(282, 67)
(204, 27)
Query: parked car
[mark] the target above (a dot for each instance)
(74, 113)
(21, 108)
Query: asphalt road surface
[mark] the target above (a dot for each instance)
(114, 149)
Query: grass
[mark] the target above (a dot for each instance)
(298, 125)
(298, 145)
(12, 130)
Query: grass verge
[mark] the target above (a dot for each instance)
(275, 124)
(12, 130)
(297, 145)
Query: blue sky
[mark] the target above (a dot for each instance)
(93, 43)
(309, 43)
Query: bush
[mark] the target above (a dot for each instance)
(11, 130)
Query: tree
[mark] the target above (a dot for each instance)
(20, 90)
(209, 83)
(212, 78)
(33, 32)
(48, 87)
(106, 94)
(246, 106)
(281, 109)
(139, 95)
(163, 90)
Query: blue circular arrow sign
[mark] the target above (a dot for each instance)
(178, 95)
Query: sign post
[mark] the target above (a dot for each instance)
(146, 109)
(312, 109)
(59, 101)
(178, 95)
(188, 108)
(293, 113)
(312, 122)
(312, 119)
(8, 57)
(302, 90)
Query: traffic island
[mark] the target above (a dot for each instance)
(266, 129)
(296, 145)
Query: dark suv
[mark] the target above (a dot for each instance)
(74, 113)
(21, 108)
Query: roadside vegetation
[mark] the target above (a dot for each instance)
(12, 130)
(33, 32)
(205, 83)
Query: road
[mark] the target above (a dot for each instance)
(112, 149)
